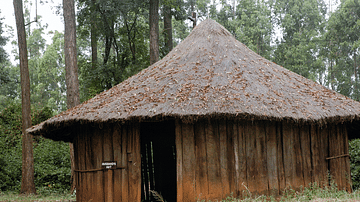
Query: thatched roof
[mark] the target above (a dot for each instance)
(210, 74)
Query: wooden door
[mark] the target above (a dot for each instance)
(108, 143)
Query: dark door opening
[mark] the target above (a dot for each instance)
(158, 161)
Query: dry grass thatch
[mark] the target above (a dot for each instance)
(210, 74)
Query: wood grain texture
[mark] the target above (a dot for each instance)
(251, 171)
(299, 170)
(188, 174)
(201, 178)
(280, 157)
(117, 149)
(261, 159)
(242, 181)
(272, 155)
(212, 130)
(221, 161)
(323, 154)
(306, 154)
(347, 159)
(124, 160)
(231, 172)
(179, 160)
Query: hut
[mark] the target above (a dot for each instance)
(212, 118)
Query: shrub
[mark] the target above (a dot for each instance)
(354, 151)
(51, 159)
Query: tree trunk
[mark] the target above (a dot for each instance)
(93, 36)
(168, 28)
(27, 180)
(71, 69)
(154, 31)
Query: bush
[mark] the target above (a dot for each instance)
(52, 166)
(51, 159)
(354, 151)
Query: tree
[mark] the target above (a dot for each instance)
(3, 40)
(341, 49)
(167, 27)
(302, 23)
(71, 69)
(27, 180)
(154, 31)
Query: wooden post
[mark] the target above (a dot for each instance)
(110, 192)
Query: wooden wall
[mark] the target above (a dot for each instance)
(108, 142)
(218, 158)
(214, 159)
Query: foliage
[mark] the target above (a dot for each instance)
(354, 151)
(3, 40)
(51, 159)
(249, 23)
(341, 49)
(302, 23)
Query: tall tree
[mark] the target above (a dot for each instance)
(341, 49)
(302, 23)
(94, 47)
(168, 27)
(27, 180)
(154, 31)
(71, 69)
(3, 40)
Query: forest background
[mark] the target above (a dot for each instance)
(113, 44)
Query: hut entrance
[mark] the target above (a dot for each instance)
(158, 161)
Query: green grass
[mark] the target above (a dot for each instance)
(15, 196)
(313, 193)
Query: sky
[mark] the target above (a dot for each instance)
(47, 10)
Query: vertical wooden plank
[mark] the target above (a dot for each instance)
(323, 154)
(202, 186)
(88, 133)
(260, 162)
(251, 171)
(77, 166)
(108, 156)
(124, 160)
(289, 156)
(340, 161)
(235, 136)
(97, 158)
(347, 159)
(242, 186)
(213, 130)
(272, 161)
(137, 163)
(334, 151)
(306, 153)
(179, 160)
(315, 154)
(299, 170)
(188, 162)
(134, 163)
(280, 156)
(85, 163)
(224, 169)
(231, 171)
(117, 147)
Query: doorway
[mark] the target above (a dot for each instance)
(158, 161)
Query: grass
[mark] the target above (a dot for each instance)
(15, 196)
(311, 194)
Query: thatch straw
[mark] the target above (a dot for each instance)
(210, 74)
